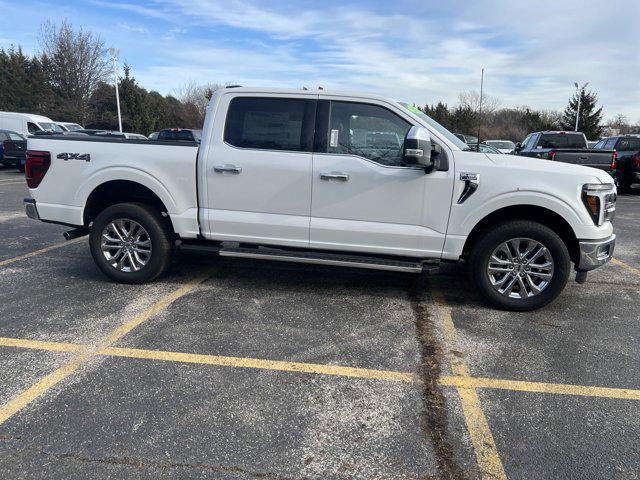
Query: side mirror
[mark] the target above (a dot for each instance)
(417, 148)
(518, 146)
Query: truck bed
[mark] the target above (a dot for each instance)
(167, 168)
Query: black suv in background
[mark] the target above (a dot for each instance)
(625, 165)
(184, 134)
(568, 147)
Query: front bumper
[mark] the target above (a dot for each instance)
(31, 209)
(594, 253)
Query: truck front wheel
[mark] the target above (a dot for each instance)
(131, 242)
(519, 265)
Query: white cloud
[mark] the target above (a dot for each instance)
(532, 52)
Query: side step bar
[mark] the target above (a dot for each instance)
(321, 258)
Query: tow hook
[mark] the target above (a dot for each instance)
(75, 233)
(581, 276)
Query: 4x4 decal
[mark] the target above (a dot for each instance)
(74, 156)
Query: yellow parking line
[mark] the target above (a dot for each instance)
(42, 386)
(481, 437)
(620, 263)
(542, 387)
(38, 252)
(243, 362)
(458, 381)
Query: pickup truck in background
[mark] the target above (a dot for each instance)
(303, 176)
(566, 147)
(14, 148)
(625, 167)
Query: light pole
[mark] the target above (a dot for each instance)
(579, 90)
(114, 56)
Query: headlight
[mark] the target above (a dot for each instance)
(600, 201)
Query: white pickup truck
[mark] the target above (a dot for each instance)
(327, 178)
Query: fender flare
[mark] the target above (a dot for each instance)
(519, 198)
(128, 174)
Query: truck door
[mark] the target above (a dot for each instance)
(364, 198)
(259, 167)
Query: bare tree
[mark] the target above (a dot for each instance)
(197, 96)
(78, 64)
(471, 99)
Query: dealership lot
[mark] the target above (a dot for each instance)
(241, 369)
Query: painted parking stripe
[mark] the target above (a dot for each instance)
(461, 381)
(55, 246)
(42, 386)
(626, 266)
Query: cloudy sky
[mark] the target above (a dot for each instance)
(416, 51)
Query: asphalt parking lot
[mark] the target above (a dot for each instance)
(239, 369)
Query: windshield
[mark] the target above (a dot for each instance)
(436, 126)
(50, 127)
(500, 144)
(73, 127)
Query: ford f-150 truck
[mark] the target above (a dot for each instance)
(302, 176)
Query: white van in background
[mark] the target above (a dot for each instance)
(27, 123)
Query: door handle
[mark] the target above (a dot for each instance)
(340, 176)
(227, 168)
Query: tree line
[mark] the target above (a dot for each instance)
(71, 79)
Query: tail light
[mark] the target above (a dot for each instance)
(36, 167)
(614, 160)
(552, 155)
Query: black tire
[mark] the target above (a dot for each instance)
(622, 186)
(159, 234)
(490, 240)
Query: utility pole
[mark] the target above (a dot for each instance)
(114, 56)
(579, 90)
(480, 106)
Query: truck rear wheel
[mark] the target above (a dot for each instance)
(520, 265)
(131, 242)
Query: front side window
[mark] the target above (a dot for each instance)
(270, 123)
(600, 144)
(369, 131)
(51, 127)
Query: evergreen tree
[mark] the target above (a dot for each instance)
(590, 118)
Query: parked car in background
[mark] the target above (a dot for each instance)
(13, 147)
(70, 127)
(91, 131)
(180, 134)
(154, 136)
(467, 138)
(505, 146)
(567, 147)
(27, 123)
(135, 136)
(625, 166)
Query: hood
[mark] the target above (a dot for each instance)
(547, 166)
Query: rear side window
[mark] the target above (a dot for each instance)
(32, 127)
(369, 131)
(270, 123)
(609, 144)
(625, 144)
(561, 140)
(15, 137)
